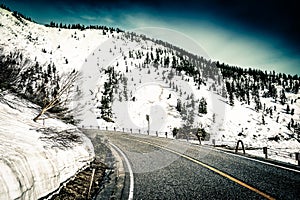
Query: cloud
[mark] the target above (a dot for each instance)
(108, 20)
(68, 10)
(88, 17)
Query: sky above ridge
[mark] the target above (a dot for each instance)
(258, 34)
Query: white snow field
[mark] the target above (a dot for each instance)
(34, 161)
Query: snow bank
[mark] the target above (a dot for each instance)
(35, 159)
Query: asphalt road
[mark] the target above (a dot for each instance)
(169, 169)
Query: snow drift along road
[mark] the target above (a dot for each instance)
(35, 159)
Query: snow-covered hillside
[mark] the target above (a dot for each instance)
(146, 89)
(66, 48)
(36, 158)
(126, 77)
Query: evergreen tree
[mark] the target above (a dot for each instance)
(191, 117)
(223, 92)
(292, 111)
(292, 123)
(202, 106)
(125, 89)
(183, 112)
(231, 99)
(296, 87)
(230, 93)
(257, 104)
(282, 97)
(178, 106)
(175, 131)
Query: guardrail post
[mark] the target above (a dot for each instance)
(166, 133)
(214, 142)
(298, 157)
(237, 146)
(115, 129)
(265, 151)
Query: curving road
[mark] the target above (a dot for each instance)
(169, 169)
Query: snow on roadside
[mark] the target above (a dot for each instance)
(33, 164)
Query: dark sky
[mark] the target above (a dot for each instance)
(272, 25)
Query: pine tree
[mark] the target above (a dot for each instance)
(223, 91)
(230, 93)
(296, 87)
(202, 106)
(178, 106)
(147, 60)
(292, 111)
(191, 117)
(257, 103)
(183, 112)
(292, 123)
(231, 99)
(282, 97)
(125, 89)
(175, 131)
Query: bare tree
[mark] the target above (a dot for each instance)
(62, 97)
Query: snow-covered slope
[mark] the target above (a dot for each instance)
(64, 47)
(36, 158)
(126, 77)
(145, 89)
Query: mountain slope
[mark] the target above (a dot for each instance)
(126, 76)
(35, 157)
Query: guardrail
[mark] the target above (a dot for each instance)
(128, 130)
(268, 152)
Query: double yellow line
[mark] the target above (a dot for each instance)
(210, 168)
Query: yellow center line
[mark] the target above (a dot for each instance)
(210, 168)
